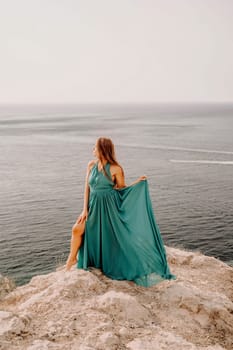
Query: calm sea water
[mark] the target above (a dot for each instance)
(186, 151)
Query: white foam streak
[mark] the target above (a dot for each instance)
(203, 161)
(175, 148)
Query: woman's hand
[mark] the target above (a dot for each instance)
(83, 216)
(141, 178)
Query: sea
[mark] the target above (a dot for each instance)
(185, 150)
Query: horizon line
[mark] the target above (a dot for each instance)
(118, 103)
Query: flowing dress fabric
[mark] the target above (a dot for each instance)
(121, 235)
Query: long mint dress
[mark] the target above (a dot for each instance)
(121, 235)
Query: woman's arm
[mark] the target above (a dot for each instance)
(83, 215)
(87, 188)
(141, 178)
(120, 179)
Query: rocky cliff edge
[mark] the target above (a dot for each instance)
(85, 310)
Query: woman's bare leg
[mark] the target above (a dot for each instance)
(75, 243)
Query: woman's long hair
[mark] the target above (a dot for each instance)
(106, 150)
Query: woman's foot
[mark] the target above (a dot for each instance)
(70, 263)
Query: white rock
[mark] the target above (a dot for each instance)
(6, 286)
(165, 341)
(82, 310)
(10, 323)
(123, 331)
(43, 345)
(204, 307)
(122, 306)
(108, 339)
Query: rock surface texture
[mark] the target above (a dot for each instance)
(85, 310)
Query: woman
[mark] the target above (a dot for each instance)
(121, 235)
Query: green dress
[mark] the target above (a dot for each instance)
(121, 235)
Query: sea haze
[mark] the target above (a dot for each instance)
(186, 151)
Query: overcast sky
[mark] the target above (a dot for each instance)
(116, 51)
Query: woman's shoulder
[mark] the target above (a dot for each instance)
(91, 163)
(115, 168)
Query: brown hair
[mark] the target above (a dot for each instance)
(106, 150)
